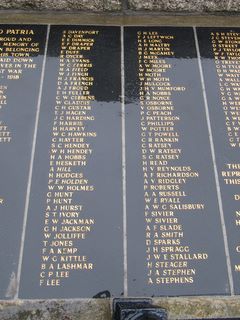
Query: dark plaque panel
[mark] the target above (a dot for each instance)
(21, 57)
(220, 56)
(175, 239)
(73, 245)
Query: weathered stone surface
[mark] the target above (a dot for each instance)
(200, 307)
(80, 5)
(184, 5)
(112, 5)
(56, 310)
(100, 309)
(93, 5)
(234, 6)
(116, 5)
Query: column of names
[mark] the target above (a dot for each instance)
(169, 260)
(65, 222)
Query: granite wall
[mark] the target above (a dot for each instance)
(173, 6)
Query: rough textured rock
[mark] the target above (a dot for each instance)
(56, 310)
(100, 309)
(81, 5)
(234, 5)
(112, 5)
(197, 6)
(92, 5)
(200, 307)
(184, 5)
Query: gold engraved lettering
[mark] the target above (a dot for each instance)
(66, 225)
(17, 48)
(168, 259)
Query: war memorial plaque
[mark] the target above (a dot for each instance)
(73, 246)
(21, 57)
(71, 224)
(177, 247)
(219, 48)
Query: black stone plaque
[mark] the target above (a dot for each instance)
(21, 57)
(73, 245)
(220, 57)
(183, 214)
(175, 238)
